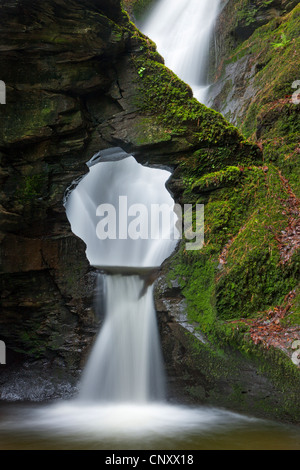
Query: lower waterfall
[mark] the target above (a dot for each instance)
(125, 364)
(126, 239)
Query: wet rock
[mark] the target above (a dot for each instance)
(73, 89)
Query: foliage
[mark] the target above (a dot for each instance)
(141, 71)
(163, 94)
(284, 42)
(239, 272)
(32, 187)
(271, 118)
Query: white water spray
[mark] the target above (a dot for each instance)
(182, 31)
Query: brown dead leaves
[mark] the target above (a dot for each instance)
(268, 330)
(289, 239)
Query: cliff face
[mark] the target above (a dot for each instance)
(79, 79)
(54, 56)
(254, 74)
(247, 274)
(255, 86)
(238, 20)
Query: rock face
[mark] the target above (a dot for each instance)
(254, 69)
(74, 86)
(81, 78)
(52, 62)
(236, 23)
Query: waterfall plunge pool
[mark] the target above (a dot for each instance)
(127, 426)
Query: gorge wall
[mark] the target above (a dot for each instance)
(254, 74)
(80, 78)
(72, 72)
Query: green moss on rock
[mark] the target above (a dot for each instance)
(163, 94)
(239, 271)
(266, 67)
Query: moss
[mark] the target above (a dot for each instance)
(40, 115)
(253, 278)
(32, 187)
(270, 117)
(254, 284)
(229, 176)
(196, 275)
(163, 94)
(148, 132)
(199, 167)
(239, 271)
(221, 363)
(280, 131)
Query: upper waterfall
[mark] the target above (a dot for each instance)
(182, 31)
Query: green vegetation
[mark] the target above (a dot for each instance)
(251, 276)
(161, 95)
(270, 117)
(239, 271)
(31, 188)
(164, 95)
(284, 42)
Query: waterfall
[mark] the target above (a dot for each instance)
(119, 209)
(182, 31)
(125, 363)
(125, 194)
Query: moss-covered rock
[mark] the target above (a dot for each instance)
(80, 77)
(254, 85)
(243, 270)
(253, 88)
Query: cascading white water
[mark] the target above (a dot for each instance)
(128, 193)
(125, 363)
(182, 31)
